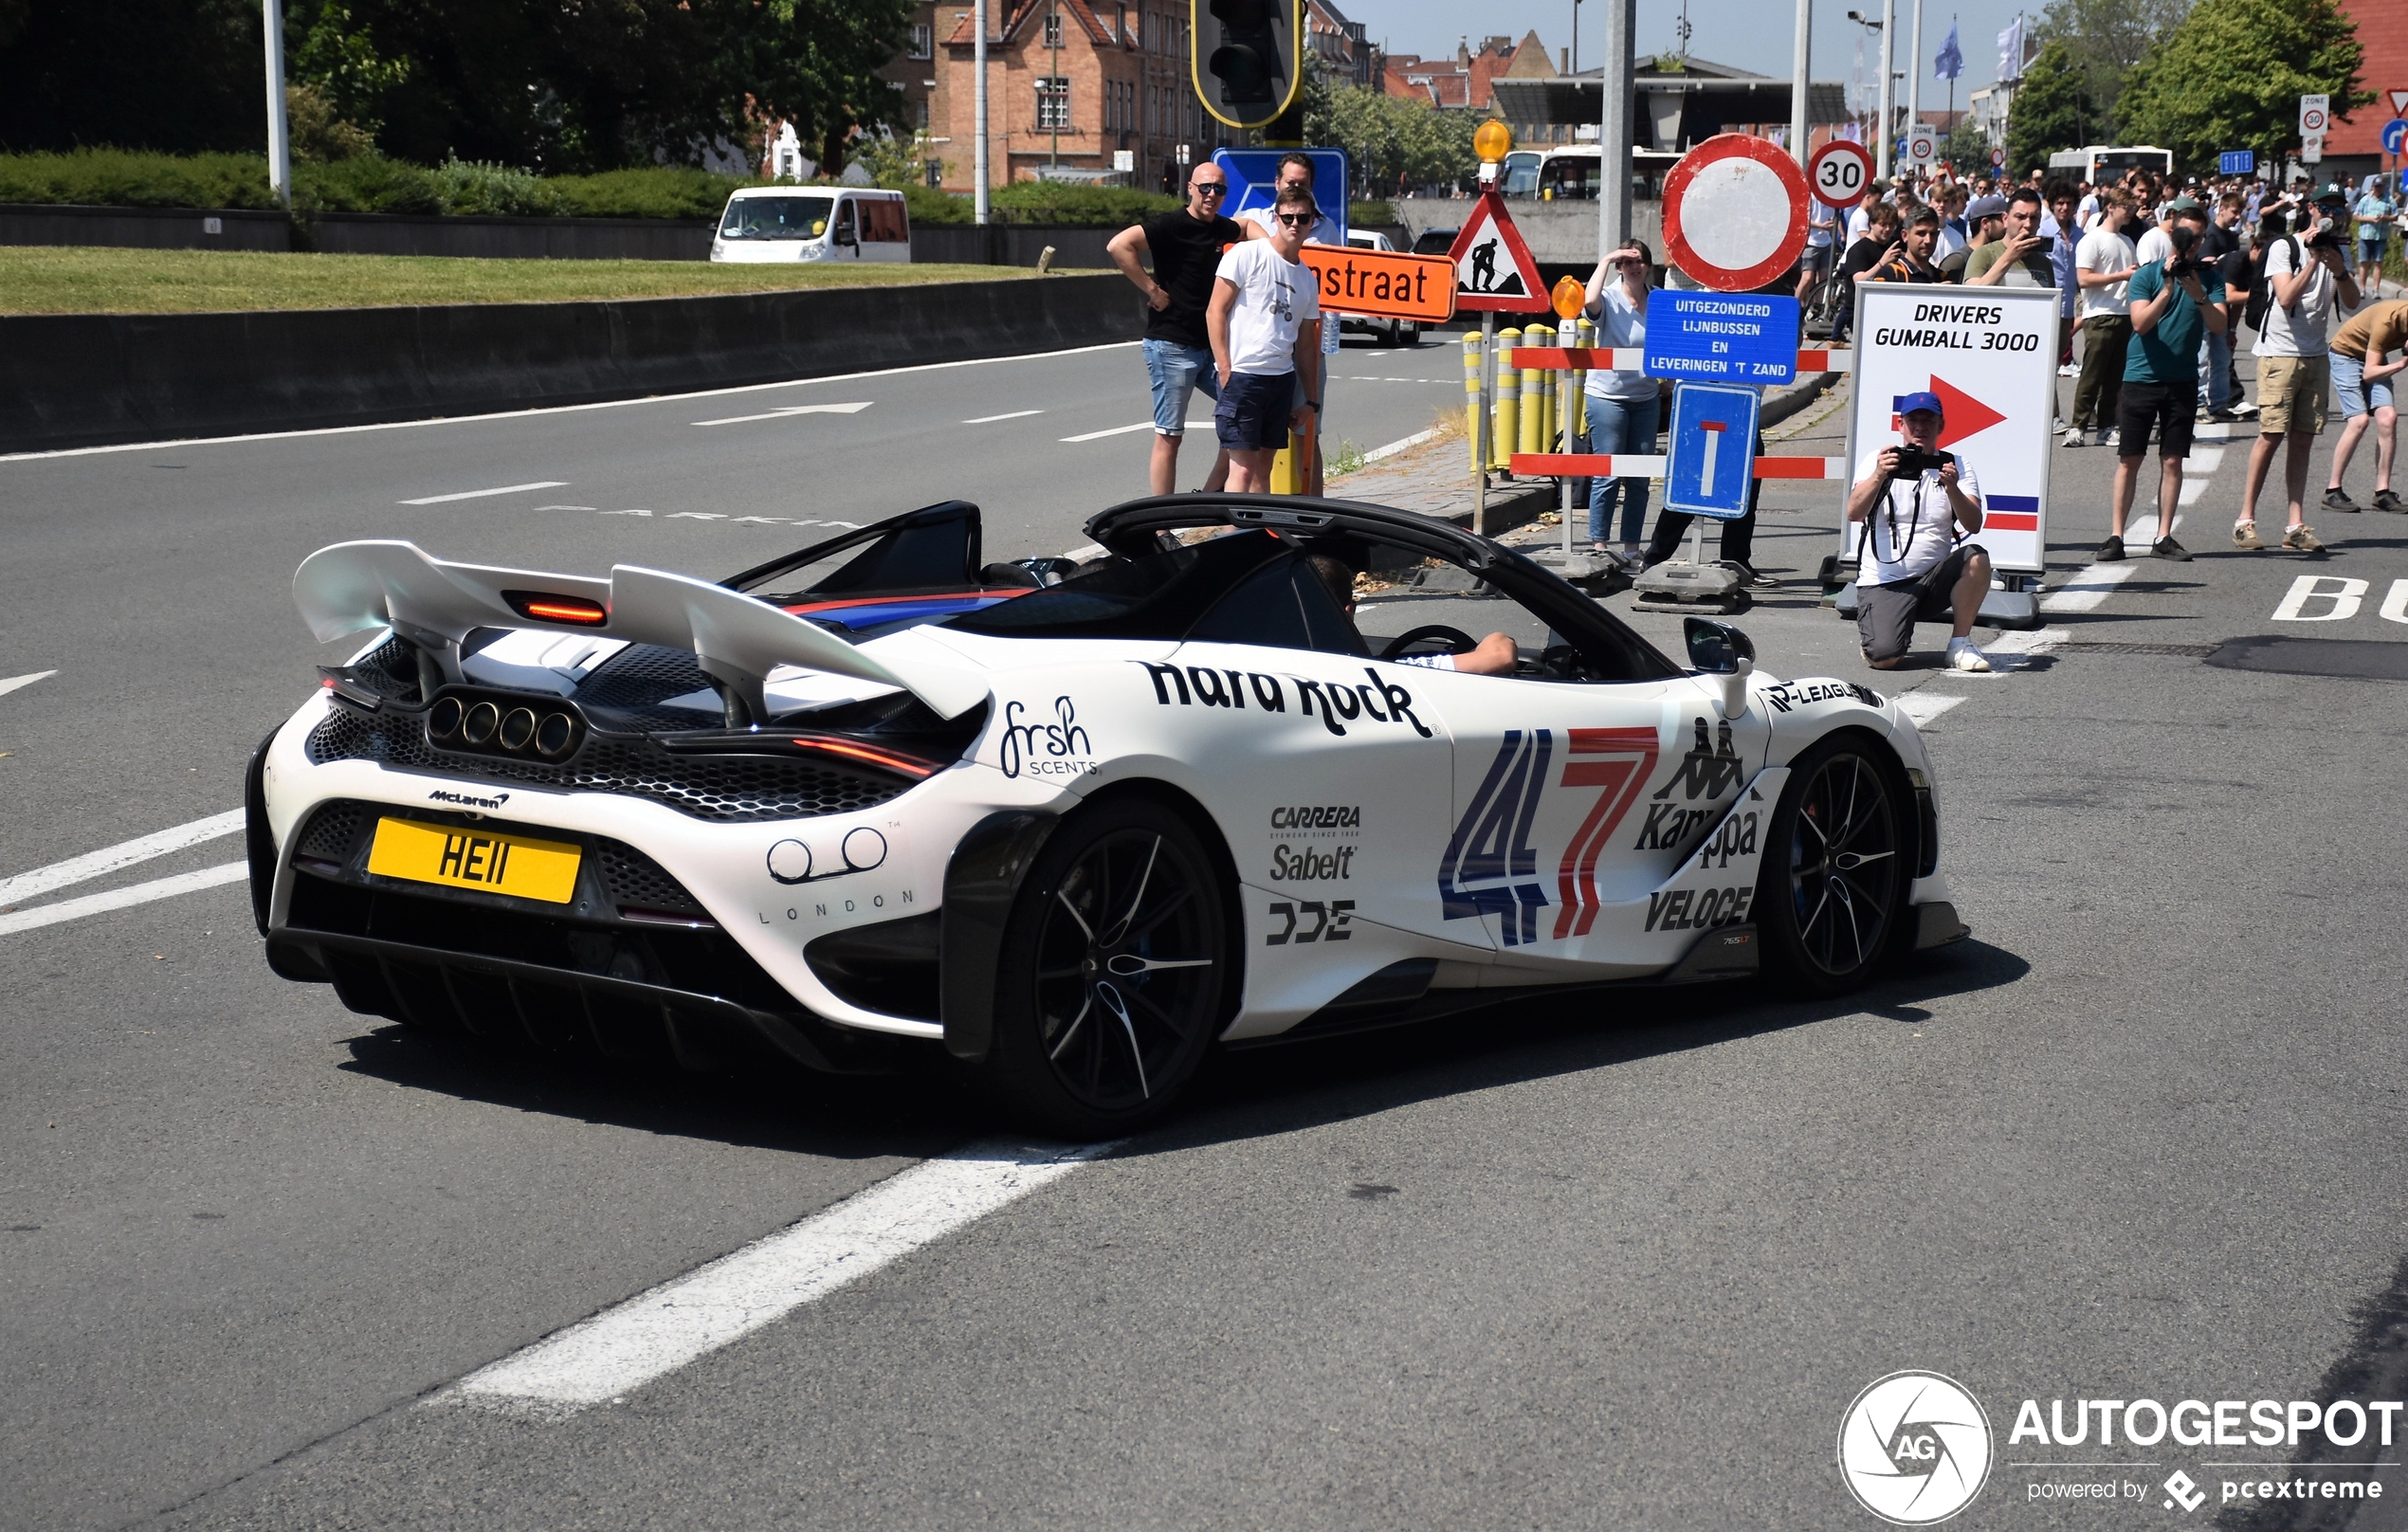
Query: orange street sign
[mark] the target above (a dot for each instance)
(1384, 285)
(1571, 296)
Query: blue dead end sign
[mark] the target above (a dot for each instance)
(1712, 463)
(1722, 337)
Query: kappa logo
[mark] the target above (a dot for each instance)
(1618, 764)
(1491, 866)
(1707, 771)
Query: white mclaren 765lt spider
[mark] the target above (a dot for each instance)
(1073, 824)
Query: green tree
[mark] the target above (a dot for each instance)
(2052, 109)
(2231, 76)
(1388, 139)
(2104, 39)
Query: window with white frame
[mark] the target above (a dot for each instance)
(923, 40)
(1052, 29)
(1053, 103)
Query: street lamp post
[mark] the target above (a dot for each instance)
(1801, 50)
(1881, 131)
(279, 147)
(978, 113)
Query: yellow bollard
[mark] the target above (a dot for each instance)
(1472, 394)
(1585, 337)
(1507, 438)
(1538, 397)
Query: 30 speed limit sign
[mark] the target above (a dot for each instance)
(1839, 172)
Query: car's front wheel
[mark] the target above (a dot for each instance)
(1113, 975)
(1834, 878)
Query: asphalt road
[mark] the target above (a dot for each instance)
(1603, 1265)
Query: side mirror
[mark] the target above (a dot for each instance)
(1719, 650)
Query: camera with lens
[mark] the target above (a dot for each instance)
(1913, 463)
(2184, 239)
(2323, 233)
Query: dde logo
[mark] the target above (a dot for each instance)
(1914, 1448)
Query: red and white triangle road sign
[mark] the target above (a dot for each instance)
(2399, 103)
(1493, 269)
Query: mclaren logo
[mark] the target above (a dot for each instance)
(465, 801)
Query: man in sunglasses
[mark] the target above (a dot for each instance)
(1186, 247)
(1295, 174)
(1265, 321)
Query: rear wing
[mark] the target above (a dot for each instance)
(736, 639)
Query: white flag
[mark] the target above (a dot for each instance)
(2011, 50)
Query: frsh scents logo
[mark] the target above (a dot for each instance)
(1914, 1448)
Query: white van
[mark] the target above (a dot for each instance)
(810, 223)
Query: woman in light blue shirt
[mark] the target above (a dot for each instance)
(1623, 407)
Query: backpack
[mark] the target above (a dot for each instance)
(2261, 292)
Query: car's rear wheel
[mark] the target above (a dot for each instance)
(1114, 973)
(1834, 878)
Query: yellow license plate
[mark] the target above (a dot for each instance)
(479, 859)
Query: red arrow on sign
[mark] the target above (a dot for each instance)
(1961, 414)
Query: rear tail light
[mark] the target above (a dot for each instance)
(538, 605)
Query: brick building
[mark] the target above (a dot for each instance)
(2383, 32)
(1465, 82)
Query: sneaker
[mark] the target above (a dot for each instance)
(2303, 540)
(1963, 656)
(2073, 437)
(2244, 537)
(2069, 370)
(2337, 498)
(2108, 437)
(2224, 416)
(2111, 551)
(2168, 548)
(1749, 574)
(2386, 500)
(2244, 410)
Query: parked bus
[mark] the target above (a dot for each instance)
(2099, 163)
(1570, 172)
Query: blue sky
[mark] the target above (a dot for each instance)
(1753, 34)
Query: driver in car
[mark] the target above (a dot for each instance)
(1492, 656)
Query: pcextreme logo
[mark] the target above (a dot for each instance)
(1914, 1448)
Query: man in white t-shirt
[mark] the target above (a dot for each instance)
(2305, 274)
(2103, 266)
(1264, 322)
(1295, 172)
(1911, 567)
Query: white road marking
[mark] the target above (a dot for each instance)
(109, 859)
(2206, 459)
(2088, 589)
(554, 409)
(1124, 430)
(2343, 591)
(2011, 653)
(2192, 490)
(14, 682)
(1924, 707)
(1402, 445)
(116, 899)
(792, 410)
(481, 493)
(658, 1332)
(2141, 530)
(1013, 414)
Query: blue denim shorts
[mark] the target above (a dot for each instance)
(1176, 372)
(2350, 389)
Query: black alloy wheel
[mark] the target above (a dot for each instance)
(1114, 974)
(1834, 876)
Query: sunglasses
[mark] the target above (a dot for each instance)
(1297, 220)
(1210, 189)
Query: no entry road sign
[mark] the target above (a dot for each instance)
(1712, 460)
(1735, 212)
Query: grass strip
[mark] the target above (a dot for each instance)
(93, 279)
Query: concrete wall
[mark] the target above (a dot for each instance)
(1559, 233)
(156, 228)
(80, 380)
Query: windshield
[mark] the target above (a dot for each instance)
(1520, 173)
(777, 218)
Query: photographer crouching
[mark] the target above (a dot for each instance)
(1912, 500)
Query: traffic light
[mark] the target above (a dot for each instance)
(1245, 57)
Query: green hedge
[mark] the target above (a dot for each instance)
(371, 183)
